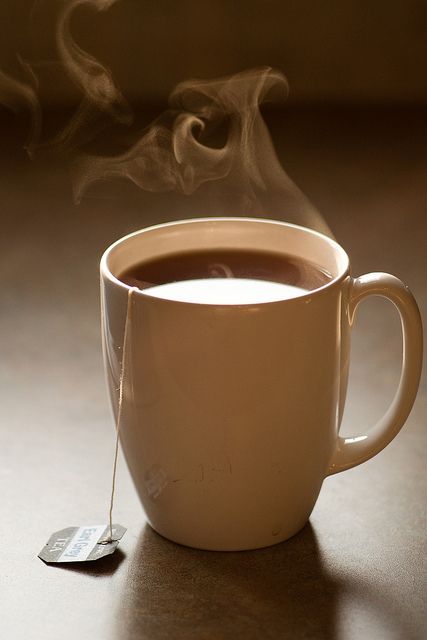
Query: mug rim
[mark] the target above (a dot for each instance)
(333, 244)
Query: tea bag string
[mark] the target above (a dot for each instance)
(120, 408)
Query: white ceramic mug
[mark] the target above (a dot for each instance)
(231, 413)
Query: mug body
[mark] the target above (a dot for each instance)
(230, 413)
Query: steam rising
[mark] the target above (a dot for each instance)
(22, 96)
(213, 136)
(246, 176)
(100, 93)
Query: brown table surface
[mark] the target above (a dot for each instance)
(357, 570)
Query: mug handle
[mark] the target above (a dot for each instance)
(351, 451)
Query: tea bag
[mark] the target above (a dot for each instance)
(92, 542)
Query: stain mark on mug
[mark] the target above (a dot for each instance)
(155, 481)
(276, 530)
(230, 468)
(202, 473)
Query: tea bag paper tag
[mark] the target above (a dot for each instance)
(82, 544)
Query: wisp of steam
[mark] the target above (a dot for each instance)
(18, 95)
(94, 80)
(100, 94)
(213, 135)
(244, 173)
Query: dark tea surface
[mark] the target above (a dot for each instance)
(226, 263)
(226, 276)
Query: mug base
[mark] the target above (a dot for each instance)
(230, 547)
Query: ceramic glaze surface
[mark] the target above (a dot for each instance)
(231, 413)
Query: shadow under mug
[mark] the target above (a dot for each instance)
(230, 414)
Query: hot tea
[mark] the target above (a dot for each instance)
(226, 276)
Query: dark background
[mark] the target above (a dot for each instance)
(334, 52)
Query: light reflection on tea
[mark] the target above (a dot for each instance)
(226, 276)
